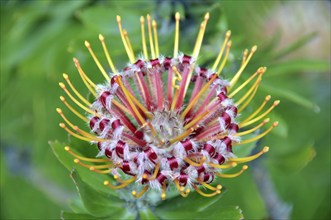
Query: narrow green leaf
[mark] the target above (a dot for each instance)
(97, 204)
(147, 214)
(297, 66)
(205, 208)
(295, 161)
(291, 96)
(70, 215)
(296, 45)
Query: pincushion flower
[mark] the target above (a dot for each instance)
(165, 122)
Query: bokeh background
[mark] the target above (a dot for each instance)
(39, 39)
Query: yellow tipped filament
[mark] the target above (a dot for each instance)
(156, 170)
(250, 158)
(226, 175)
(244, 124)
(181, 189)
(184, 135)
(259, 71)
(164, 188)
(66, 77)
(267, 98)
(177, 17)
(94, 160)
(250, 91)
(88, 139)
(102, 70)
(241, 69)
(143, 38)
(205, 194)
(76, 101)
(106, 183)
(199, 39)
(127, 38)
(242, 107)
(196, 120)
(157, 52)
(222, 166)
(126, 46)
(253, 129)
(244, 57)
(151, 44)
(220, 54)
(275, 124)
(225, 58)
(218, 187)
(196, 98)
(88, 83)
(110, 62)
(73, 110)
(142, 192)
(195, 164)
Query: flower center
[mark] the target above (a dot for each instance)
(167, 125)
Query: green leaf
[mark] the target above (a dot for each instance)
(70, 215)
(297, 66)
(296, 45)
(282, 129)
(291, 96)
(295, 161)
(97, 204)
(93, 179)
(147, 214)
(205, 208)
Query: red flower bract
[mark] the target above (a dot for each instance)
(165, 121)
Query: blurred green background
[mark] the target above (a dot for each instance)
(39, 39)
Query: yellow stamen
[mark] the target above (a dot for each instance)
(88, 83)
(102, 70)
(218, 187)
(178, 77)
(258, 136)
(192, 163)
(127, 38)
(127, 49)
(128, 97)
(195, 120)
(98, 167)
(241, 69)
(259, 71)
(151, 44)
(199, 39)
(156, 170)
(62, 125)
(142, 192)
(250, 158)
(66, 77)
(164, 188)
(250, 91)
(244, 57)
(220, 54)
(251, 96)
(184, 135)
(94, 160)
(106, 51)
(222, 166)
(154, 24)
(196, 98)
(146, 112)
(253, 129)
(177, 17)
(244, 124)
(267, 98)
(205, 194)
(77, 102)
(225, 175)
(73, 110)
(225, 58)
(142, 25)
(181, 189)
(106, 183)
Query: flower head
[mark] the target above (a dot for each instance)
(164, 121)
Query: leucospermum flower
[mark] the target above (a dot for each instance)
(165, 122)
